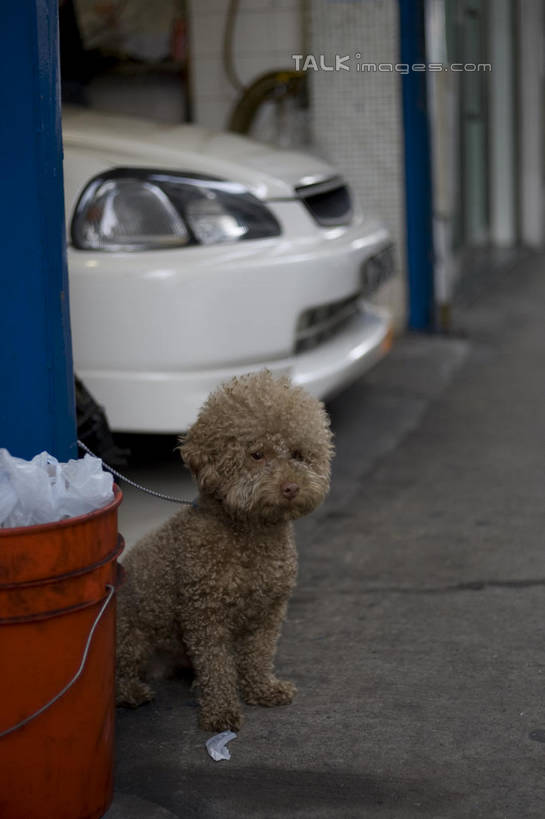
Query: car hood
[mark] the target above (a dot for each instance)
(270, 173)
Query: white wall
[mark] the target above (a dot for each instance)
(530, 121)
(267, 33)
(357, 116)
(501, 126)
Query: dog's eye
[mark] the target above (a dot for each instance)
(257, 456)
(297, 455)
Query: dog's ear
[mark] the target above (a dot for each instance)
(191, 455)
(199, 463)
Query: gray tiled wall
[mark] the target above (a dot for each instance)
(357, 115)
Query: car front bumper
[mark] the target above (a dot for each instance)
(166, 402)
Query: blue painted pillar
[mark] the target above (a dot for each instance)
(37, 409)
(418, 180)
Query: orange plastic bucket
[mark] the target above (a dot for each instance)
(57, 584)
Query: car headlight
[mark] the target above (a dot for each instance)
(138, 209)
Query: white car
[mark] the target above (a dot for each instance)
(197, 255)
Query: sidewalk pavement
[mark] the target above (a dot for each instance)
(415, 635)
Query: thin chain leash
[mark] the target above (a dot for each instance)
(132, 483)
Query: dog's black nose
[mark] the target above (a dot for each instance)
(289, 490)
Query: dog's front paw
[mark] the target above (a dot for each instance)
(230, 719)
(132, 693)
(270, 693)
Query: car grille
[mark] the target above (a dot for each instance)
(316, 325)
(329, 202)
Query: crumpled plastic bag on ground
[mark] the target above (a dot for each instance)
(217, 745)
(43, 490)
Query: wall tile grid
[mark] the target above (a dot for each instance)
(357, 116)
(267, 33)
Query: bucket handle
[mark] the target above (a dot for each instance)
(77, 675)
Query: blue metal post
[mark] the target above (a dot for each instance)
(37, 409)
(418, 180)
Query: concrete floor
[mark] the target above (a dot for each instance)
(415, 635)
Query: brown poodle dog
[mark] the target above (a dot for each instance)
(215, 579)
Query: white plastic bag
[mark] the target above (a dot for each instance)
(86, 486)
(43, 490)
(217, 745)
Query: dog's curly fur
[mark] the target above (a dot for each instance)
(215, 579)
